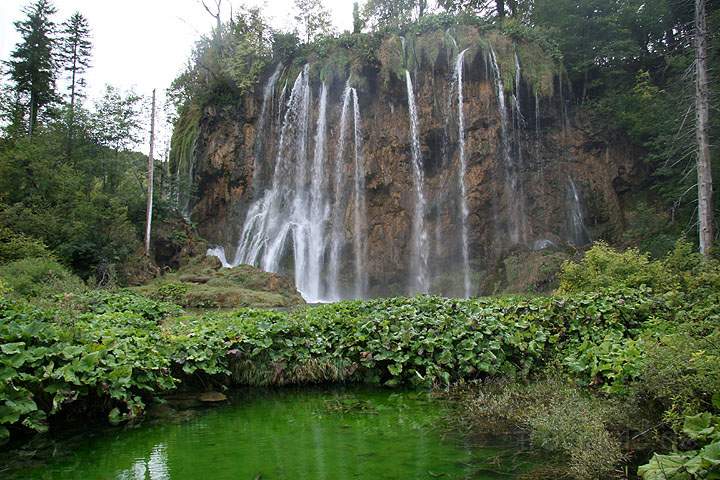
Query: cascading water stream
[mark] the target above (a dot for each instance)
(319, 206)
(283, 209)
(512, 191)
(337, 236)
(579, 231)
(360, 207)
(262, 124)
(419, 281)
(464, 212)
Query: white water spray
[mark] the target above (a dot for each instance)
(464, 212)
(419, 281)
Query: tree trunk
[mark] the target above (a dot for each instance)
(71, 118)
(500, 6)
(702, 105)
(33, 112)
(150, 179)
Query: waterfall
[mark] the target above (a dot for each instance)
(268, 94)
(461, 175)
(337, 235)
(513, 193)
(360, 207)
(295, 211)
(578, 230)
(419, 281)
(319, 206)
(282, 212)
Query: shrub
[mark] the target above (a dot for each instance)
(604, 267)
(173, 292)
(559, 419)
(15, 246)
(680, 371)
(39, 277)
(126, 301)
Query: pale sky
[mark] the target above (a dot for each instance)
(144, 44)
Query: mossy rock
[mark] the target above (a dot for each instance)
(533, 272)
(204, 283)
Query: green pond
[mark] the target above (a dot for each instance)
(289, 434)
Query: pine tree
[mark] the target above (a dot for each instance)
(75, 48)
(32, 64)
(357, 20)
(75, 54)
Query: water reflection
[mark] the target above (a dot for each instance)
(155, 467)
(288, 434)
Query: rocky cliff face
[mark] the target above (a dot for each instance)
(535, 178)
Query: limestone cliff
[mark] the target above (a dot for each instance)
(535, 176)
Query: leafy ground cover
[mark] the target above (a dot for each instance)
(118, 350)
(578, 371)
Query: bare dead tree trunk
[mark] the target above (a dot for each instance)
(702, 104)
(216, 16)
(150, 179)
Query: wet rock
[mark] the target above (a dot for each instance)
(551, 147)
(212, 397)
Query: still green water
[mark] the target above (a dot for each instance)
(283, 434)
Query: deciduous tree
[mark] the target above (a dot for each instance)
(313, 18)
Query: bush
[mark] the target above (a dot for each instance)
(680, 371)
(39, 277)
(14, 246)
(604, 267)
(125, 301)
(559, 418)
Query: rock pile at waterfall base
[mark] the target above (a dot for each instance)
(203, 283)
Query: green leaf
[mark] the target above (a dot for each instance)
(115, 417)
(665, 467)
(700, 426)
(12, 348)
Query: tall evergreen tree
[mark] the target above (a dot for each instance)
(75, 48)
(357, 20)
(32, 64)
(75, 51)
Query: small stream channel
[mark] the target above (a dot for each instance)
(293, 434)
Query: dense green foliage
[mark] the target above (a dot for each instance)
(117, 349)
(70, 185)
(646, 379)
(704, 429)
(39, 278)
